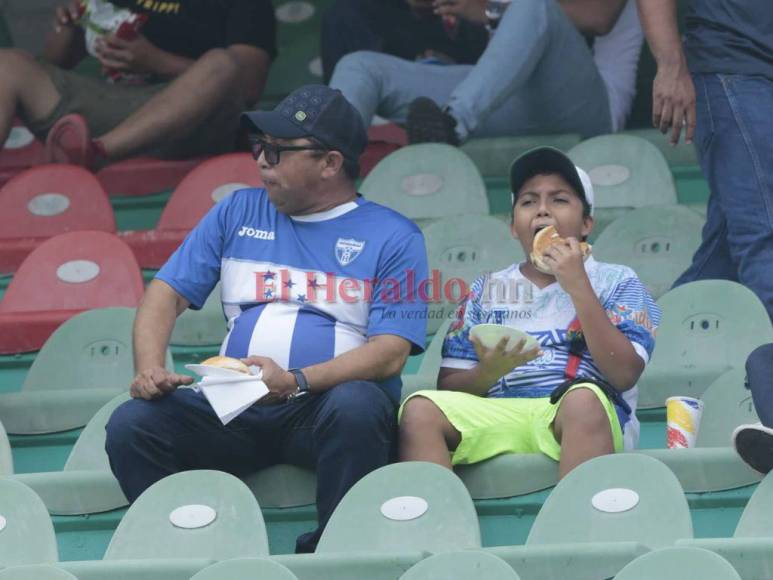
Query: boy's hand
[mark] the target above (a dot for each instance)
(132, 56)
(496, 362)
(566, 263)
(67, 16)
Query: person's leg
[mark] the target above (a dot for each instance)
(582, 428)
(344, 433)
(25, 89)
(712, 259)
(148, 440)
(385, 85)
(426, 434)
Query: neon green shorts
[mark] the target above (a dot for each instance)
(490, 427)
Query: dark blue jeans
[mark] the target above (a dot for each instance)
(759, 376)
(343, 434)
(734, 140)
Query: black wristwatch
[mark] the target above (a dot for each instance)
(302, 384)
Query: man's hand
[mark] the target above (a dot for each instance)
(67, 16)
(155, 382)
(472, 10)
(280, 383)
(132, 56)
(566, 264)
(494, 363)
(673, 102)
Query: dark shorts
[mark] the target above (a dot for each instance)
(105, 105)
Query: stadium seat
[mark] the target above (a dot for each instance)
(707, 328)
(509, 475)
(426, 376)
(461, 566)
(6, 459)
(245, 569)
(283, 486)
(677, 564)
(62, 277)
(494, 155)
(20, 151)
(26, 531)
(85, 485)
(35, 572)
(627, 172)
(657, 242)
(425, 181)
(615, 498)
(408, 506)
(47, 200)
(205, 327)
(84, 364)
(680, 156)
(192, 514)
(144, 175)
(755, 521)
(202, 188)
(464, 247)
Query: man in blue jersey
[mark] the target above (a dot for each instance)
(319, 290)
(572, 397)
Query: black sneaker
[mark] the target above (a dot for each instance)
(754, 443)
(428, 123)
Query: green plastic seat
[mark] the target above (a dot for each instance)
(426, 376)
(657, 242)
(283, 486)
(680, 156)
(82, 366)
(677, 564)
(707, 328)
(615, 498)
(464, 247)
(6, 458)
(494, 155)
(627, 173)
(227, 520)
(86, 484)
(755, 521)
(404, 507)
(427, 181)
(36, 572)
(461, 566)
(509, 475)
(246, 569)
(26, 531)
(205, 327)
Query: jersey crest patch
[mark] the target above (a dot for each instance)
(347, 250)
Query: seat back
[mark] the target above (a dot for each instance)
(75, 271)
(755, 520)
(246, 569)
(192, 514)
(205, 327)
(26, 531)
(88, 453)
(657, 242)
(461, 566)
(36, 572)
(727, 403)
(615, 498)
(494, 155)
(204, 186)
(47, 200)
(403, 507)
(429, 180)
(679, 563)
(707, 328)
(6, 458)
(463, 247)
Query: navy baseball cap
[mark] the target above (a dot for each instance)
(313, 111)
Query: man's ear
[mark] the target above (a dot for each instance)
(333, 164)
(587, 226)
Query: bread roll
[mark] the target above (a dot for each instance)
(226, 362)
(545, 238)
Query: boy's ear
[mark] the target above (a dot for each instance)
(587, 226)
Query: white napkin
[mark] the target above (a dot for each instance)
(229, 396)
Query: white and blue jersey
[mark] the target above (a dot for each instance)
(305, 289)
(507, 297)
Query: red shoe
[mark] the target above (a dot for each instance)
(69, 141)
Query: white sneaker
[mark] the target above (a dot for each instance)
(754, 443)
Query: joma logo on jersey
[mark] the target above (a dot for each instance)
(257, 234)
(347, 250)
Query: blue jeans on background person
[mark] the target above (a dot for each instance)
(734, 141)
(343, 434)
(537, 75)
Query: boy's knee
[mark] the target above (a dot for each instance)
(420, 412)
(581, 408)
(360, 63)
(221, 65)
(15, 62)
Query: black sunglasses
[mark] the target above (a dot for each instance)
(272, 151)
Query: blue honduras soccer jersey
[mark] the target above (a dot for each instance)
(303, 290)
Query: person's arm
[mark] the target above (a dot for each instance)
(65, 45)
(611, 350)
(153, 325)
(673, 93)
(593, 17)
(382, 357)
(254, 64)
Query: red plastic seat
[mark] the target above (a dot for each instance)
(144, 175)
(45, 201)
(20, 151)
(62, 277)
(382, 140)
(191, 200)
